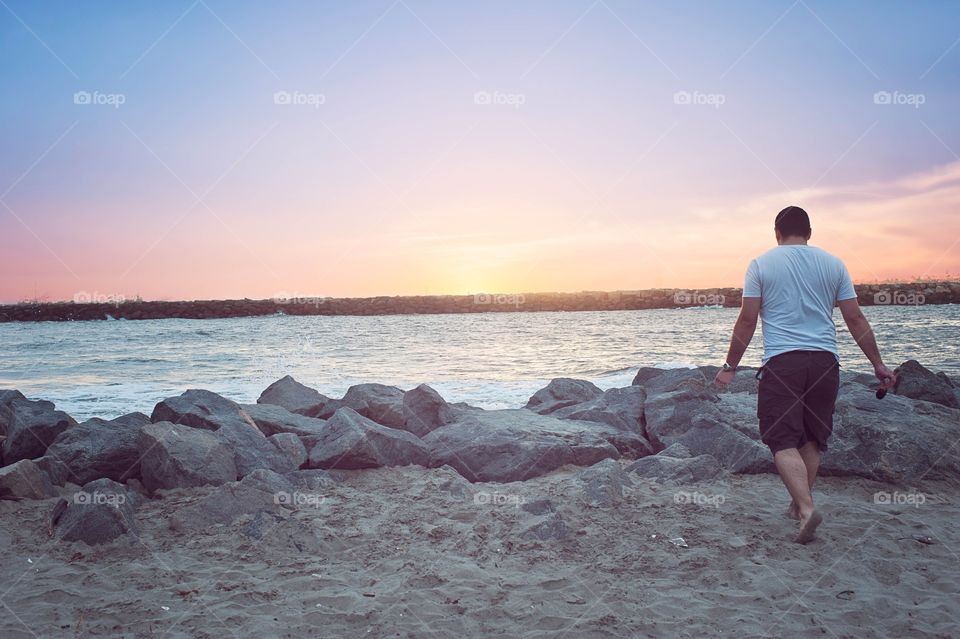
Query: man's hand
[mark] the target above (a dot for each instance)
(724, 377)
(886, 376)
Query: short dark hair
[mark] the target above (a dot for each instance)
(792, 221)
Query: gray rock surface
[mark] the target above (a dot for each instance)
(424, 411)
(178, 456)
(252, 450)
(603, 483)
(378, 402)
(917, 382)
(669, 469)
(100, 512)
(95, 449)
(291, 446)
(31, 427)
(260, 491)
(24, 480)
(293, 396)
(561, 393)
(517, 444)
(352, 441)
(199, 409)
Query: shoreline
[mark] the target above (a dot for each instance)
(889, 294)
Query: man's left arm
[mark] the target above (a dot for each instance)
(743, 332)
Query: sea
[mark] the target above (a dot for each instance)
(491, 360)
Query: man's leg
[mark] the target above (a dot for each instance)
(810, 453)
(793, 472)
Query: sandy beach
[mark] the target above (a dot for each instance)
(413, 552)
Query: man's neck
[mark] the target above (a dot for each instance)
(792, 241)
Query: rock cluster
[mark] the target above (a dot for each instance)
(257, 459)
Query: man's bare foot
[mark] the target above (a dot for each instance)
(792, 512)
(808, 526)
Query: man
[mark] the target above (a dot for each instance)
(793, 288)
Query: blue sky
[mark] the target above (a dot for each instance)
(583, 171)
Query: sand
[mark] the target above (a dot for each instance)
(408, 552)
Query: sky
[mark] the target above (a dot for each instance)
(210, 149)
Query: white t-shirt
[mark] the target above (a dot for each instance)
(798, 286)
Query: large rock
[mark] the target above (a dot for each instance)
(383, 404)
(513, 445)
(290, 394)
(102, 511)
(97, 448)
(665, 468)
(352, 441)
(6, 397)
(24, 480)
(31, 427)
(895, 439)
(252, 450)
(916, 382)
(199, 409)
(668, 380)
(424, 411)
(260, 491)
(561, 393)
(291, 446)
(691, 416)
(621, 408)
(274, 420)
(178, 456)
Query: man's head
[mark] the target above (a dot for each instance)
(792, 224)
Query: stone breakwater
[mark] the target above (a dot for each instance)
(668, 426)
(943, 292)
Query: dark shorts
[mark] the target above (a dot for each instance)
(795, 399)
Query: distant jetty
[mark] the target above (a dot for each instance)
(899, 294)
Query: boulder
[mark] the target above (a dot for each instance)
(290, 394)
(260, 491)
(178, 456)
(97, 448)
(561, 393)
(916, 382)
(352, 441)
(383, 404)
(252, 450)
(199, 409)
(291, 446)
(517, 444)
(691, 416)
(24, 480)
(6, 397)
(896, 439)
(603, 483)
(31, 427)
(424, 411)
(621, 408)
(271, 419)
(667, 380)
(100, 512)
(663, 468)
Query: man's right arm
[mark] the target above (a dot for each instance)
(862, 333)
